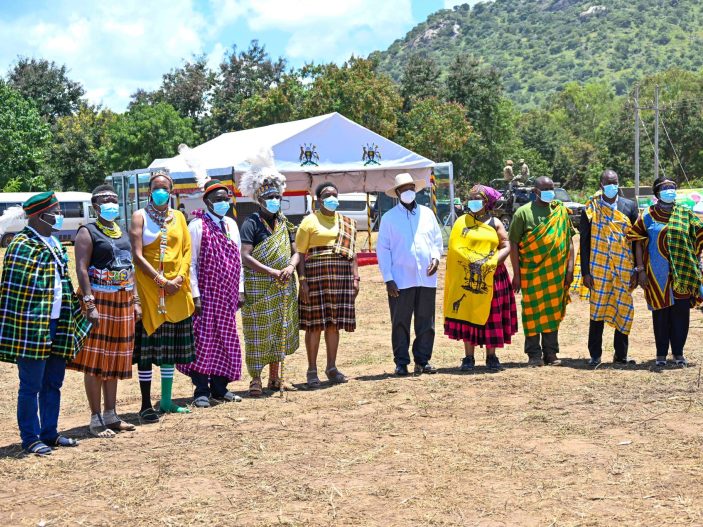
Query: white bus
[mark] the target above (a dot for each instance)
(75, 206)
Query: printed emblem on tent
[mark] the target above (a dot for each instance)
(308, 155)
(371, 154)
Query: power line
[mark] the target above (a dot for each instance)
(652, 145)
(675, 153)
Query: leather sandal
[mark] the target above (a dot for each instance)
(313, 381)
(335, 376)
(255, 388)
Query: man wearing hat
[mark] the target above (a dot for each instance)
(41, 324)
(409, 247)
(217, 283)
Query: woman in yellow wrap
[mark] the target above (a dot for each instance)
(162, 254)
(479, 304)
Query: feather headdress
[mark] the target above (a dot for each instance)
(262, 176)
(193, 163)
(10, 215)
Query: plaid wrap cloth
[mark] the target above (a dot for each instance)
(217, 347)
(612, 263)
(682, 234)
(26, 298)
(345, 245)
(270, 314)
(544, 256)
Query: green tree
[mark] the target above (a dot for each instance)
(48, 85)
(144, 133)
(78, 152)
(25, 142)
(420, 80)
(358, 92)
(435, 129)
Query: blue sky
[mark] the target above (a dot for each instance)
(114, 47)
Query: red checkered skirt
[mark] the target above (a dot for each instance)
(501, 324)
(330, 280)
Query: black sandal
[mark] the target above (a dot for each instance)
(149, 416)
(38, 448)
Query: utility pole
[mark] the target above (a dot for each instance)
(637, 143)
(656, 132)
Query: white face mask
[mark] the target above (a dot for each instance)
(407, 196)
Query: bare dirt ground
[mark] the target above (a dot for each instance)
(548, 446)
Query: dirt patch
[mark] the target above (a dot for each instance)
(547, 446)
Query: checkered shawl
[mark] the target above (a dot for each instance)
(270, 314)
(26, 298)
(612, 262)
(543, 260)
(345, 245)
(681, 237)
(217, 348)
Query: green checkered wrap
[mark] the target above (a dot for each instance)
(681, 236)
(26, 297)
(270, 313)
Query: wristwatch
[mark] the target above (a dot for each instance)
(638, 269)
(88, 298)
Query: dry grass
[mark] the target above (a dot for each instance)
(548, 446)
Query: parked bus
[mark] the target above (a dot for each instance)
(75, 206)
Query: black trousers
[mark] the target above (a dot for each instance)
(671, 327)
(418, 301)
(595, 341)
(214, 386)
(549, 344)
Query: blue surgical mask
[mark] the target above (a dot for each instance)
(668, 195)
(160, 196)
(546, 195)
(273, 205)
(475, 205)
(221, 207)
(109, 211)
(610, 191)
(58, 222)
(331, 203)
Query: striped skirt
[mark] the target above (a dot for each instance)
(108, 349)
(171, 343)
(330, 281)
(501, 324)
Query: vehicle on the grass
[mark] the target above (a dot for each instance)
(75, 207)
(354, 206)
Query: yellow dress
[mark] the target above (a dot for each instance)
(176, 263)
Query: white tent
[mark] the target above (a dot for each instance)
(335, 147)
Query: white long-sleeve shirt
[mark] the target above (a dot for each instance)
(196, 237)
(407, 243)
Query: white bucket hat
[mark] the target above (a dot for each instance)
(404, 179)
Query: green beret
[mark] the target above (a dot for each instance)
(39, 203)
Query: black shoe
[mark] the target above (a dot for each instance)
(626, 360)
(467, 364)
(148, 416)
(424, 368)
(493, 364)
(401, 371)
(594, 362)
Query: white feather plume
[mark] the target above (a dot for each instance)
(262, 169)
(12, 214)
(191, 159)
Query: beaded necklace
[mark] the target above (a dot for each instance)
(162, 219)
(111, 232)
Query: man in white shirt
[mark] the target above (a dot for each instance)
(409, 247)
(217, 283)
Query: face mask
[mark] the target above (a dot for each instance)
(331, 203)
(475, 205)
(160, 197)
(668, 195)
(546, 195)
(273, 205)
(109, 211)
(58, 222)
(407, 196)
(610, 191)
(221, 207)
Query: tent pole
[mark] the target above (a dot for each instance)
(368, 220)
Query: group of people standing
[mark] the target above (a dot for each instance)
(166, 294)
(659, 250)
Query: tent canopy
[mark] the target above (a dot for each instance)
(334, 145)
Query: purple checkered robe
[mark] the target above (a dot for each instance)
(217, 349)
